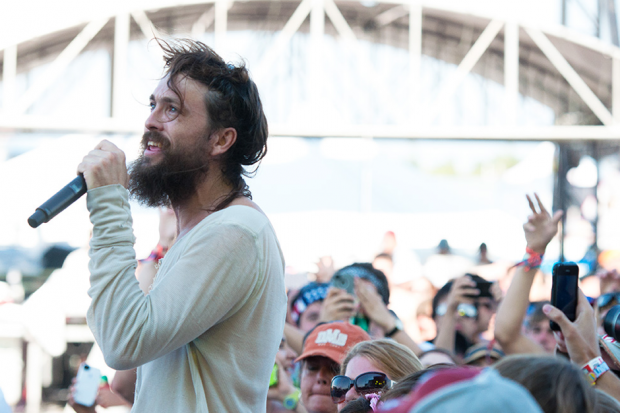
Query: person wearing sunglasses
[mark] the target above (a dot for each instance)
(371, 368)
(603, 304)
(324, 349)
(462, 313)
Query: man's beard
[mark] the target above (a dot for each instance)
(171, 181)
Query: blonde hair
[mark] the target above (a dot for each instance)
(394, 359)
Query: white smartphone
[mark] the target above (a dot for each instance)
(86, 385)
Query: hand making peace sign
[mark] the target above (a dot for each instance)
(540, 227)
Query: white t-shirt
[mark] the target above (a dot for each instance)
(205, 337)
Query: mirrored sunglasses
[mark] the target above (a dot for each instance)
(369, 382)
(464, 310)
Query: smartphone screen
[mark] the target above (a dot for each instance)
(564, 290)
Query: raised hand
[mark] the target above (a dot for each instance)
(373, 304)
(540, 227)
(338, 305)
(462, 290)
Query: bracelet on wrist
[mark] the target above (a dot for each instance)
(157, 254)
(594, 369)
(290, 401)
(531, 260)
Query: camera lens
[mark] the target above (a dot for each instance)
(86, 367)
(611, 323)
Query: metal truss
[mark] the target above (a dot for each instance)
(411, 16)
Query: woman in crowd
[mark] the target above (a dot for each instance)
(557, 385)
(389, 361)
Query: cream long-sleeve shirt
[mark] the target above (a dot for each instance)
(205, 337)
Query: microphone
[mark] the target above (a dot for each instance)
(59, 202)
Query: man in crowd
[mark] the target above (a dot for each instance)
(462, 314)
(306, 305)
(536, 326)
(324, 350)
(218, 297)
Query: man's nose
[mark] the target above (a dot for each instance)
(153, 122)
(325, 376)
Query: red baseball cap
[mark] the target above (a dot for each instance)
(332, 340)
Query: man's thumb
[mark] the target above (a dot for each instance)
(554, 314)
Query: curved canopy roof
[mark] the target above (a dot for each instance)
(573, 75)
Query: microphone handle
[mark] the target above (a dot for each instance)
(57, 203)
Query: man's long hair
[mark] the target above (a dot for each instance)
(232, 102)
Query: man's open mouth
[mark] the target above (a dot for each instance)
(153, 145)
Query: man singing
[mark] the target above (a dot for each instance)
(205, 336)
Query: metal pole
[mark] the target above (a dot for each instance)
(559, 199)
(511, 71)
(613, 22)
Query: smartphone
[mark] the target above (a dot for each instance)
(273, 380)
(344, 282)
(86, 385)
(564, 290)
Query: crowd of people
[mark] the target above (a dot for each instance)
(493, 350)
(344, 349)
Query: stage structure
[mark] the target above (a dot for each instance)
(575, 75)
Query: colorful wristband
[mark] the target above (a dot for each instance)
(290, 401)
(594, 369)
(157, 254)
(531, 260)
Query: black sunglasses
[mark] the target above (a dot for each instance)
(605, 299)
(364, 383)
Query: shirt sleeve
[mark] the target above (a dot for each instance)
(213, 277)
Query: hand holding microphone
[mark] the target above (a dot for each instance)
(104, 165)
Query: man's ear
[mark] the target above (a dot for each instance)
(222, 141)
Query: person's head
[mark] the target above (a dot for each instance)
(604, 303)
(367, 272)
(359, 405)
(473, 319)
(444, 247)
(482, 355)
(383, 262)
(285, 356)
(206, 118)
(306, 305)
(406, 385)
(464, 390)
(536, 326)
(557, 385)
(385, 356)
(325, 348)
(605, 403)
(436, 356)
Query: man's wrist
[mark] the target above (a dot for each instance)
(538, 249)
(594, 369)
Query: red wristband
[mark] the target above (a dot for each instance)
(157, 254)
(531, 260)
